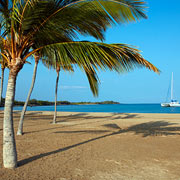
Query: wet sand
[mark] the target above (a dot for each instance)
(96, 146)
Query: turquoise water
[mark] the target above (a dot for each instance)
(115, 108)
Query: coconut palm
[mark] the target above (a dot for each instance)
(56, 89)
(36, 25)
(93, 82)
(20, 127)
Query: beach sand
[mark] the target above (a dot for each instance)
(96, 146)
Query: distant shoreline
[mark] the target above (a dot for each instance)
(34, 102)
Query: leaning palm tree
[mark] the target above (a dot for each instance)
(57, 67)
(20, 126)
(93, 82)
(53, 25)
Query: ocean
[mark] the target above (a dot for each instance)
(114, 108)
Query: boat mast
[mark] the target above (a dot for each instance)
(172, 87)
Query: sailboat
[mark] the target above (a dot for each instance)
(173, 103)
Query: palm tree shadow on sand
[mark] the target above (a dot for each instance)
(158, 128)
(83, 116)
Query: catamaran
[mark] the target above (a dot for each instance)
(173, 103)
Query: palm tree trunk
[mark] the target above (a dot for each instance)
(2, 81)
(20, 127)
(9, 145)
(55, 103)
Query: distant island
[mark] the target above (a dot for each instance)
(35, 102)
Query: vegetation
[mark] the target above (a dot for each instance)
(103, 102)
(34, 102)
(16, 103)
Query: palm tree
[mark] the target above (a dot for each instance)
(20, 127)
(56, 89)
(52, 25)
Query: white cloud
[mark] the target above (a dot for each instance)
(73, 87)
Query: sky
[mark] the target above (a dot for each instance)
(158, 37)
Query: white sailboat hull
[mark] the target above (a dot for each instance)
(175, 105)
(165, 104)
(171, 104)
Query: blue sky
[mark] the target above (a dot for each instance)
(158, 38)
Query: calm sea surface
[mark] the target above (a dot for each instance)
(116, 108)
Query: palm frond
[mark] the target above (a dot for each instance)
(51, 61)
(65, 19)
(93, 82)
(94, 56)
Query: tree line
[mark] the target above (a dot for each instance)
(35, 102)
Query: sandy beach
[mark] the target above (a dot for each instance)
(96, 146)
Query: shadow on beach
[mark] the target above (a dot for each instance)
(158, 128)
(72, 120)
